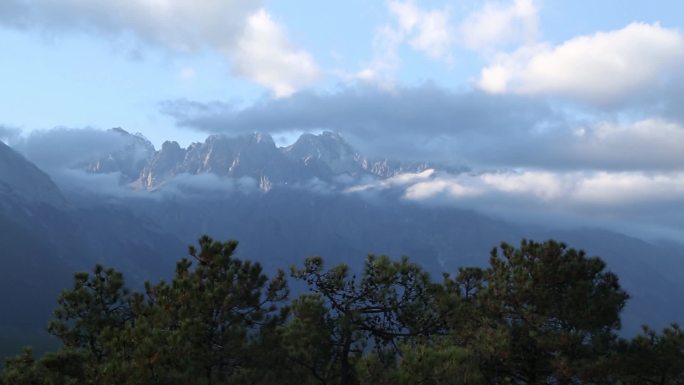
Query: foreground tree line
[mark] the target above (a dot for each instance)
(541, 313)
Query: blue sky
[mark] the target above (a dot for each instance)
(61, 68)
(563, 105)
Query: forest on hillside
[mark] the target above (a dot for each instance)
(539, 313)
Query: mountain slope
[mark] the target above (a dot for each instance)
(22, 180)
(45, 239)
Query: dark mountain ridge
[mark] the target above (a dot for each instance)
(45, 238)
(21, 179)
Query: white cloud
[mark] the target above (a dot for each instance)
(63, 148)
(496, 24)
(180, 25)
(648, 143)
(602, 68)
(568, 189)
(239, 29)
(620, 198)
(451, 188)
(427, 31)
(265, 55)
(628, 188)
(543, 185)
(404, 179)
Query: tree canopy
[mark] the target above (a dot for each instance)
(539, 313)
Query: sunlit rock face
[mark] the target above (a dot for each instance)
(325, 157)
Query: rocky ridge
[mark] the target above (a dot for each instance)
(326, 157)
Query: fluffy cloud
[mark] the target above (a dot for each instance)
(495, 24)
(265, 55)
(62, 148)
(239, 29)
(426, 31)
(630, 201)
(183, 25)
(401, 180)
(586, 191)
(602, 68)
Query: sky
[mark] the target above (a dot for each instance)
(571, 104)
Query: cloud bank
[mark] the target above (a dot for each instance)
(408, 124)
(430, 123)
(646, 204)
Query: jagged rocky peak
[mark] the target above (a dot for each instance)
(164, 164)
(170, 146)
(327, 145)
(263, 139)
(169, 155)
(134, 140)
(326, 150)
(257, 155)
(225, 155)
(321, 156)
(254, 155)
(119, 130)
(133, 154)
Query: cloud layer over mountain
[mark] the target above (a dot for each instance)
(463, 128)
(600, 190)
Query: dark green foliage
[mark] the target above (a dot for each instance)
(652, 358)
(389, 304)
(541, 313)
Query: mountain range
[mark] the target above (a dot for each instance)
(326, 157)
(50, 230)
